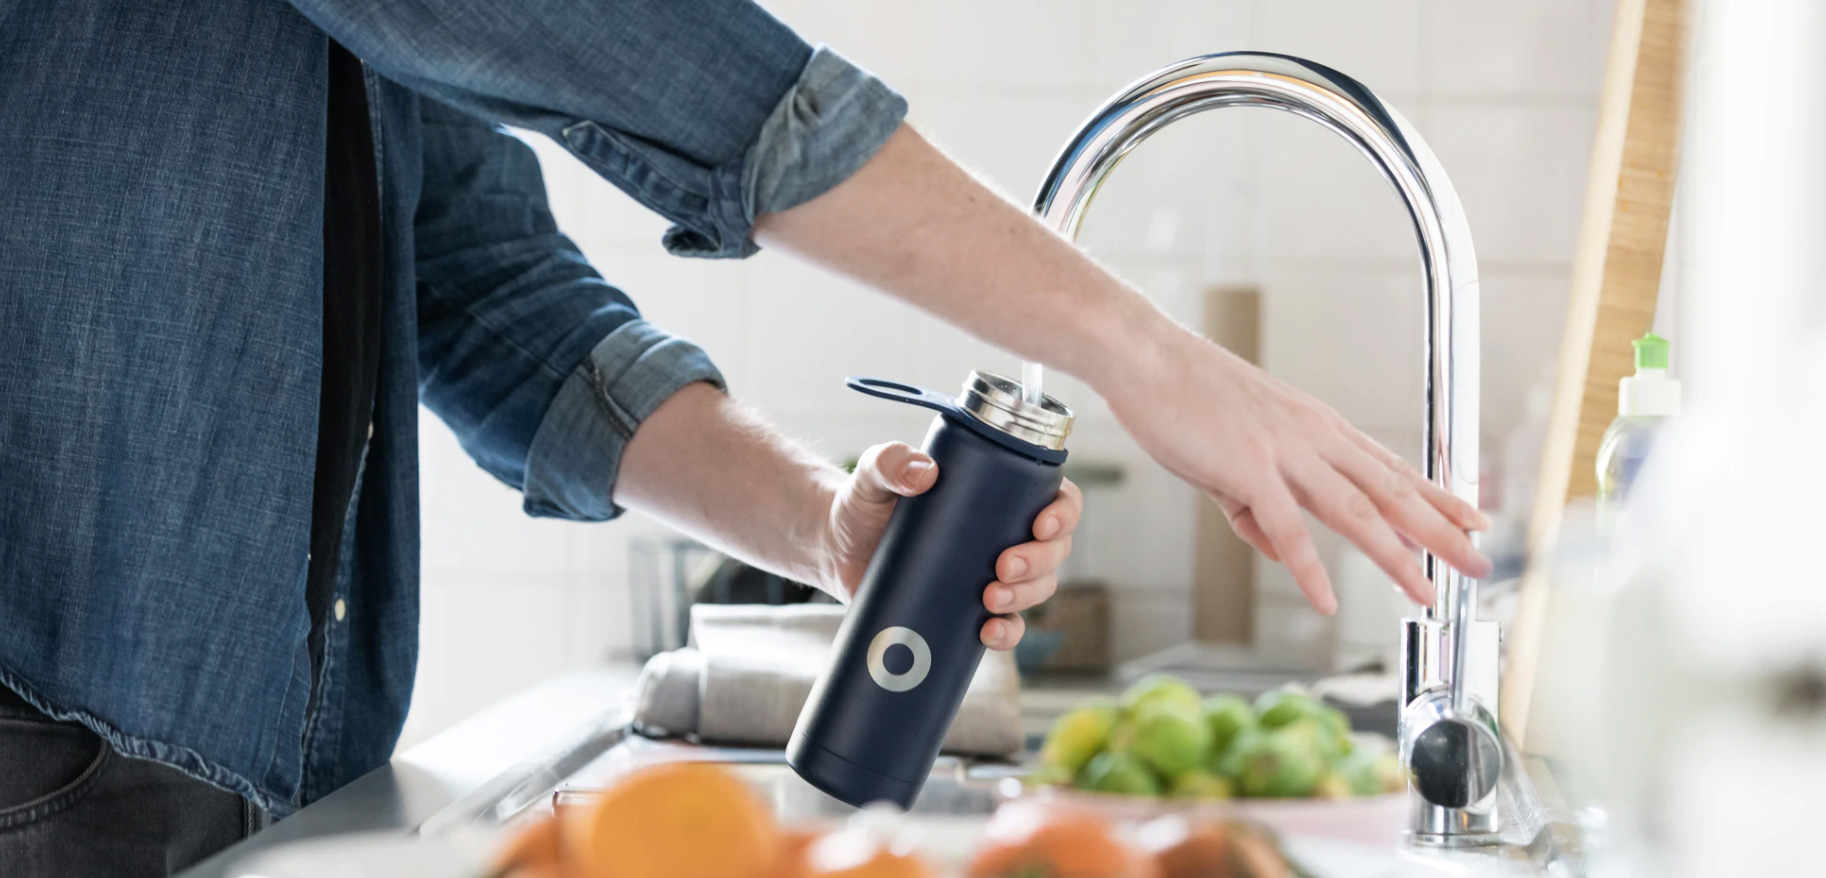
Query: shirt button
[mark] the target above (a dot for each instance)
(342, 609)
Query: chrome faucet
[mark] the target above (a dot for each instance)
(1448, 732)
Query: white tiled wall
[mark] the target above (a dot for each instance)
(1504, 90)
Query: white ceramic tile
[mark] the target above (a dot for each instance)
(1520, 172)
(482, 638)
(600, 616)
(1294, 630)
(1184, 191)
(873, 35)
(1144, 621)
(1376, 42)
(587, 206)
(1353, 339)
(600, 551)
(1523, 318)
(810, 330)
(944, 355)
(1140, 37)
(1542, 48)
(471, 521)
(1296, 342)
(1321, 201)
(1005, 43)
(1603, 25)
(701, 299)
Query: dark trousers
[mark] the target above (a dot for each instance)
(71, 806)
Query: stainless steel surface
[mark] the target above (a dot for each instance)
(1473, 742)
(1448, 262)
(997, 401)
(493, 749)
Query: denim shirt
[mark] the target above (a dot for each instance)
(161, 180)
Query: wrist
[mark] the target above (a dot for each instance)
(816, 532)
(1127, 345)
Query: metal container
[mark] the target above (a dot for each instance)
(908, 648)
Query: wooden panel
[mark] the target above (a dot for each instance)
(1615, 281)
(1224, 571)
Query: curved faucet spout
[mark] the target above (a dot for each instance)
(1319, 93)
(1447, 733)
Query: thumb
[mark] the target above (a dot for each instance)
(891, 470)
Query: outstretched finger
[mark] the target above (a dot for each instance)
(1278, 516)
(1243, 522)
(1462, 513)
(1353, 514)
(1399, 500)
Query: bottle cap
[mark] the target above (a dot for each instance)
(997, 402)
(1651, 352)
(1650, 392)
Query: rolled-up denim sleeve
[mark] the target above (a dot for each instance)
(576, 454)
(710, 113)
(542, 369)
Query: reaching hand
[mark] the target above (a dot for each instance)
(1263, 450)
(1026, 575)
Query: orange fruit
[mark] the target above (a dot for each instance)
(790, 861)
(534, 846)
(858, 853)
(1056, 841)
(1189, 849)
(548, 870)
(672, 820)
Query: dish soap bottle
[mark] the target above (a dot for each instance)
(1645, 402)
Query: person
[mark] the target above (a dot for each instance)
(243, 241)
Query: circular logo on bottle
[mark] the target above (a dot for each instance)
(878, 653)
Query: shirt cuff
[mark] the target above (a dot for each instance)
(826, 127)
(576, 452)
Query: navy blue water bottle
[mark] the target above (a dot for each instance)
(911, 642)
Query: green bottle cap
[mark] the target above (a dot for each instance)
(1651, 352)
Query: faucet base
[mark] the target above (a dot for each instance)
(1463, 776)
(1439, 827)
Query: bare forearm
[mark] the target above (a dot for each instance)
(915, 225)
(706, 465)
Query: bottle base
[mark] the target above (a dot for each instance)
(844, 780)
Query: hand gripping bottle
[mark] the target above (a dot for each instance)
(908, 648)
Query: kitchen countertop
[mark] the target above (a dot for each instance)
(432, 778)
(519, 750)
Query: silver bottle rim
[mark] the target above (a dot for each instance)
(995, 400)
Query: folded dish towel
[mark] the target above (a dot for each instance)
(749, 668)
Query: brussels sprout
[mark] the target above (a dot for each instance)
(1119, 773)
(1168, 736)
(1158, 687)
(1201, 784)
(1045, 775)
(1333, 785)
(1389, 773)
(1077, 736)
(1285, 763)
(1330, 745)
(1228, 716)
(1228, 762)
